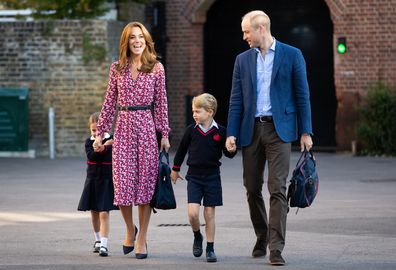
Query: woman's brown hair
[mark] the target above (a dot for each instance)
(149, 55)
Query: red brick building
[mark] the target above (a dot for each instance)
(199, 59)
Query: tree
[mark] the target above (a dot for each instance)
(61, 9)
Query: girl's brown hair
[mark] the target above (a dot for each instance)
(93, 119)
(149, 55)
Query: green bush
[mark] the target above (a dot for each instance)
(377, 132)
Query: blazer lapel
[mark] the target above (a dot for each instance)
(278, 59)
(253, 68)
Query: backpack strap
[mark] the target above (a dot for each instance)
(300, 160)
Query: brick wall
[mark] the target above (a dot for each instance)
(370, 29)
(46, 57)
(184, 64)
(130, 11)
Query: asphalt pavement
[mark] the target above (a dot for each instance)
(351, 224)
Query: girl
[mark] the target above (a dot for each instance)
(98, 192)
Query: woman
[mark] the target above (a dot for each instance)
(137, 88)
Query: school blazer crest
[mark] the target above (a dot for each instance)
(289, 94)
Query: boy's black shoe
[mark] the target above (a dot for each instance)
(211, 256)
(276, 258)
(197, 246)
(260, 249)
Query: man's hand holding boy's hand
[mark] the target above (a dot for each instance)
(175, 175)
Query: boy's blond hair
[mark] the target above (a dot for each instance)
(205, 101)
(93, 119)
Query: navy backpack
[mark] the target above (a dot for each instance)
(304, 183)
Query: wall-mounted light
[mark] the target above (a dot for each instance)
(341, 45)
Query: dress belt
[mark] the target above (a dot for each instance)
(264, 119)
(134, 108)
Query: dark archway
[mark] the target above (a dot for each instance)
(305, 24)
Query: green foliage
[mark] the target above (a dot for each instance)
(91, 51)
(377, 132)
(61, 9)
(49, 28)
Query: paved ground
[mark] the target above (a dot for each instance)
(351, 225)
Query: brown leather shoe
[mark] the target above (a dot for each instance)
(260, 249)
(276, 258)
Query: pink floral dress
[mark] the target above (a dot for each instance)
(135, 149)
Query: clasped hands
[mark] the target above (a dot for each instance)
(231, 144)
(98, 146)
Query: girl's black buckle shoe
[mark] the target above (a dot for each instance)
(96, 247)
(103, 251)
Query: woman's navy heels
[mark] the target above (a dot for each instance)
(142, 255)
(129, 249)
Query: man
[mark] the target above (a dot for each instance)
(269, 108)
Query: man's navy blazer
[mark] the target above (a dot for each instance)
(289, 94)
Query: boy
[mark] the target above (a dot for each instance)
(205, 142)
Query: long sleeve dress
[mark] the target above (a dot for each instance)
(135, 148)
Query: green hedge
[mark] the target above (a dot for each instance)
(377, 131)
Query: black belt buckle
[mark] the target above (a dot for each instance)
(264, 119)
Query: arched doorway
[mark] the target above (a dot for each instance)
(305, 24)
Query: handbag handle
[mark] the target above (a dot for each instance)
(162, 155)
(304, 154)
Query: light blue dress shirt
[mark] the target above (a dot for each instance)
(264, 73)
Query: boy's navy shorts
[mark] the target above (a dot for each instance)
(206, 187)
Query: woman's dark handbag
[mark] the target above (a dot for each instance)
(164, 197)
(304, 183)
